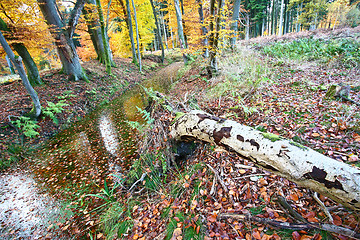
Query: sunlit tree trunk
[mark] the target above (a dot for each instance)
(131, 33)
(137, 36)
(247, 26)
(203, 29)
(31, 68)
(36, 111)
(234, 24)
(63, 36)
(164, 30)
(103, 37)
(94, 30)
(214, 36)
(281, 22)
(158, 31)
(180, 29)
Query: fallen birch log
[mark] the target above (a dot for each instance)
(302, 165)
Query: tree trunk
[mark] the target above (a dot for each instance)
(247, 26)
(10, 64)
(234, 24)
(36, 111)
(131, 33)
(137, 36)
(63, 36)
(94, 30)
(302, 165)
(31, 68)
(203, 29)
(281, 22)
(180, 29)
(158, 31)
(103, 37)
(164, 29)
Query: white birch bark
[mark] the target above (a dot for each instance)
(304, 166)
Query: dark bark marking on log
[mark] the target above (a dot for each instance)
(354, 201)
(204, 116)
(254, 143)
(240, 138)
(319, 175)
(218, 135)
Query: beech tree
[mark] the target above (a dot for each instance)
(94, 29)
(137, 36)
(31, 68)
(158, 35)
(234, 24)
(17, 61)
(180, 29)
(104, 38)
(63, 35)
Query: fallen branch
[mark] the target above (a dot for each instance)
(304, 166)
(294, 226)
(139, 180)
(290, 210)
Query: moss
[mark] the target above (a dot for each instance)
(298, 145)
(272, 137)
(177, 116)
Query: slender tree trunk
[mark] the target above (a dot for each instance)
(304, 166)
(94, 30)
(36, 111)
(10, 64)
(158, 31)
(281, 22)
(180, 29)
(63, 36)
(273, 16)
(131, 33)
(214, 36)
(247, 26)
(164, 29)
(203, 29)
(103, 37)
(234, 23)
(137, 35)
(31, 68)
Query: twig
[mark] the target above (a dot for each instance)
(139, 180)
(218, 178)
(252, 175)
(294, 226)
(212, 191)
(289, 209)
(326, 211)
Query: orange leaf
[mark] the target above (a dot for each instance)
(296, 235)
(294, 197)
(256, 234)
(315, 134)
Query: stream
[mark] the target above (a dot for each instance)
(34, 200)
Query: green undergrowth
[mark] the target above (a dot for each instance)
(344, 51)
(242, 73)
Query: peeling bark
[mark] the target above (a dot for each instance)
(304, 166)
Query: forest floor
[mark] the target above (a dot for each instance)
(281, 96)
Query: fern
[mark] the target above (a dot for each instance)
(27, 126)
(53, 108)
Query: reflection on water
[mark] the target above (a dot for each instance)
(108, 134)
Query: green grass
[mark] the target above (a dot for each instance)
(344, 51)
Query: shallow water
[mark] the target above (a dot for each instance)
(74, 163)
